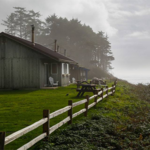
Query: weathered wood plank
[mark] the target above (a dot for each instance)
(95, 99)
(8, 80)
(2, 140)
(86, 106)
(104, 90)
(46, 124)
(1, 73)
(92, 97)
(109, 93)
(104, 96)
(79, 102)
(58, 112)
(99, 93)
(53, 128)
(70, 111)
(99, 99)
(16, 74)
(110, 88)
(91, 105)
(32, 142)
(23, 131)
(78, 113)
(107, 90)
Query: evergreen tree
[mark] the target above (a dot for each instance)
(10, 24)
(19, 23)
(83, 45)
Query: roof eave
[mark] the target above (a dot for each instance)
(69, 61)
(37, 50)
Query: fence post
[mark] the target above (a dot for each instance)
(2, 140)
(95, 100)
(102, 93)
(86, 105)
(112, 90)
(70, 112)
(107, 90)
(46, 124)
(115, 82)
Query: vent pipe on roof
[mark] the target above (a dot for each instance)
(55, 46)
(32, 34)
(65, 52)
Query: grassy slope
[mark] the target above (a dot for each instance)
(119, 122)
(19, 109)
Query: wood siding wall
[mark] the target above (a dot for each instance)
(78, 73)
(19, 66)
(22, 67)
(56, 77)
(65, 80)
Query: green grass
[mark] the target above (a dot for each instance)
(119, 122)
(20, 108)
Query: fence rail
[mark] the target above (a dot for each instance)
(47, 130)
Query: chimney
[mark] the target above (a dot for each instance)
(32, 35)
(55, 46)
(65, 52)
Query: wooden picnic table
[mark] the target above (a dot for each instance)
(86, 88)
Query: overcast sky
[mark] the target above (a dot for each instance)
(126, 22)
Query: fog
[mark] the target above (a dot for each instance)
(125, 22)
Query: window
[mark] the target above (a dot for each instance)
(83, 73)
(65, 68)
(54, 68)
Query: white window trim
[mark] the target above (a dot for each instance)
(67, 68)
(63, 71)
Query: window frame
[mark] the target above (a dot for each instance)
(67, 68)
(56, 68)
(62, 70)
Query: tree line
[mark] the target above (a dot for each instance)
(83, 45)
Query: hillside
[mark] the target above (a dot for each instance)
(118, 122)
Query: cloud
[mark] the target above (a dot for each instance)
(126, 22)
(93, 13)
(140, 35)
(142, 12)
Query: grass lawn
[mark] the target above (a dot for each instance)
(20, 108)
(119, 122)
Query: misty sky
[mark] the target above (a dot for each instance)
(126, 22)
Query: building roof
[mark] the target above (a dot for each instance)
(39, 48)
(79, 66)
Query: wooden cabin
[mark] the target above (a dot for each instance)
(25, 64)
(78, 73)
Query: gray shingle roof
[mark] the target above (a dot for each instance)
(39, 48)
